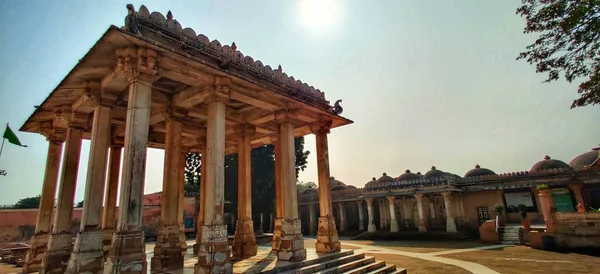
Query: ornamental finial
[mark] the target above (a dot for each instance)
(477, 166)
(234, 46)
(279, 68)
(547, 158)
(169, 16)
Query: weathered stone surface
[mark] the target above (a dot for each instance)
(327, 236)
(127, 254)
(244, 241)
(276, 234)
(88, 253)
(213, 252)
(36, 252)
(58, 253)
(291, 247)
(167, 251)
(108, 236)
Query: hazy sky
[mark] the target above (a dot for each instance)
(426, 82)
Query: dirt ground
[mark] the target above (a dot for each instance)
(418, 266)
(8, 269)
(522, 259)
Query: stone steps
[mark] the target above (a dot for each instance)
(511, 235)
(343, 262)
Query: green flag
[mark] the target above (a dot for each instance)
(11, 137)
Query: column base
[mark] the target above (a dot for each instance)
(327, 236)
(394, 227)
(450, 225)
(182, 241)
(36, 252)
(167, 251)
(88, 253)
(244, 241)
(343, 226)
(58, 253)
(361, 226)
(371, 228)
(213, 251)
(127, 253)
(292, 242)
(422, 228)
(108, 235)
(276, 234)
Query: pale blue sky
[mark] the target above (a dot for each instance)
(426, 82)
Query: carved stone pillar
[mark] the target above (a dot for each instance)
(244, 241)
(128, 250)
(110, 200)
(59, 243)
(576, 188)
(88, 251)
(450, 224)
(343, 223)
(370, 214)
(213, 252)
(361, 216)
(167, 251)
(278, 196)
(421, 226)
(393, 220)
(327, 236)
(39, 241)
(311, 219)
(292, 243)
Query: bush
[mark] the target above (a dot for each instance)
(522, 211)
(498, 209)
(541, 187)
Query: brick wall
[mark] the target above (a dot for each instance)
(577, 230)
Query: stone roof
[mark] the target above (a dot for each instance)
(407, 175)
(478, 171)
(548, 163)
(385, 178)
(434, 172)
(310, 190)
(333, 182)
(586, 159)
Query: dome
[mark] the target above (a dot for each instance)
(333, 182)
(407, 176)
(370, 183)
(434, 172)
(310, 190)
(351, 187)
(585, 159)
(548, 163)
(478, 171)
(385, 178)
(338, 187)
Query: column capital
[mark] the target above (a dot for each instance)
(359, 202)
(369, 201)
(173, 113)
(244, 129)
(79, 120)
(418, 196)
(117, 142)
(576, 186)
(446, 194)
(322, 126)
(391, 198)
(274, 138)
(138, 64)
(286, 115)
(53, 134)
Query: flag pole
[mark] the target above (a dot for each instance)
(2, 146)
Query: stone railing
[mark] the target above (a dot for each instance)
(416, 183)
(340, 195)
(577, 230)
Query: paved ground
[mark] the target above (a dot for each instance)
(459, 257)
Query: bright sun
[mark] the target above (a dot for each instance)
(319, 16)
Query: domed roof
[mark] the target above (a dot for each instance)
(434, 172)
(338, 187)
(548, 163)
(585, 159)
(310, 190)
(351, 187)
(407, 176)
(478, 171)
(385, 178)
(333, 182)
(370, 183)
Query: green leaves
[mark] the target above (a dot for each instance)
(568, 44)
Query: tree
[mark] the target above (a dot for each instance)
(568, 44)
(80, 204)
(192, 169)
(302, 186)
(30, 202)
(301, 155)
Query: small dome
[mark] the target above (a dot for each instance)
(351, 187)
(333, 182)
(434, 172)
(310, 190)
(370, 183)
(585, 159)
(548, 163)
(407, 176)
(338, 187)
(478, 171)
(385, 178)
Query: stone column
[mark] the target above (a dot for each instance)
(422, 227)
(59, 243)
(213, 252)
(371, 227)
(327, 235)
(167, 251)
(382, 216)
(343, 223)
(39, 241)
(244, 241)
(128, 251)
(200, 213)
(361, 216)
(450, 224)
(88, 251)
(576, 188)
(278, 197)
(313, 224)
(393, 219)
(547, 204)
(180, 205)
(292, 243)
(110, 199)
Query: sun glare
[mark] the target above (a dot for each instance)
(319, 16)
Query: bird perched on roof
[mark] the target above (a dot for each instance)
(337, 108)
(130, 23)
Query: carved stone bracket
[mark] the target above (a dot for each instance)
(244, 129)
(286, 116)
(53, 134)
(138, 64)
(322, 126)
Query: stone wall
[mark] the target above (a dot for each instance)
(577, 230)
